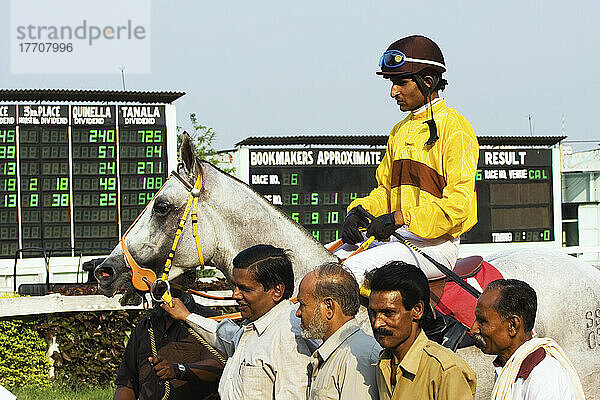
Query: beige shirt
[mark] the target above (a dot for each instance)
(344, 366)
(427, 372)
(268, 358)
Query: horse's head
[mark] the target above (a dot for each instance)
(150, 237)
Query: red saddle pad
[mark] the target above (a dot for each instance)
(456, 302)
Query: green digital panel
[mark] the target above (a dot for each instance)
(143, 168)
(73, 177)
(514, 196)
(315, 186)
(9, 224)
(45, 184)
(95, 183)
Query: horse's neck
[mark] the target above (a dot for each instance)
(250, 219)
(245, 218)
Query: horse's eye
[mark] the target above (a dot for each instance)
(161, 207)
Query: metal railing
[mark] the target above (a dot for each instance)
(46, 262)
(48, 254)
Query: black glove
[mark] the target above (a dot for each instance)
(382, 227)
(350, 232)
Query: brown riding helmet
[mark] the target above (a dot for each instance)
(411, 55)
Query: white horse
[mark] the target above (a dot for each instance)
(233, 217)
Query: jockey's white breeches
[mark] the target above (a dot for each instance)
(441, 250)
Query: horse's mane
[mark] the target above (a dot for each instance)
(254, 194)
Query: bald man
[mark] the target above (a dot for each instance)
(343, 366)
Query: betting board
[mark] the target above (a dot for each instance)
(514, 197)
(74, 176)
(314, 186)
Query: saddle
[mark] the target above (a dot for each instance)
(465, 268)
(445, 329)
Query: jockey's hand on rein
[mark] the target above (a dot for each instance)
(350, 232)
(382, 227)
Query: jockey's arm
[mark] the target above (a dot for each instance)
(456, 210)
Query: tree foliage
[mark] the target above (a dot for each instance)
(23, 358)
(202, 138)
(90, 345)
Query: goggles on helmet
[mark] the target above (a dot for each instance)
(396, 58)
(392, 59)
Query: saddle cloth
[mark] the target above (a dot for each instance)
(456, 302)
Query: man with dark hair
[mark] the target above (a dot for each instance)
(268, 357)
(411, 366)
(426, 180)
(342, 367)
(527, 368)
(163, 354)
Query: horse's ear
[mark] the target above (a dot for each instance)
(187, 152)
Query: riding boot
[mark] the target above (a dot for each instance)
(445, 330)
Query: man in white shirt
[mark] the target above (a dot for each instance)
(268, 357)
(343, 367)
(527, 368)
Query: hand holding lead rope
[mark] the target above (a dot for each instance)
(161, 292)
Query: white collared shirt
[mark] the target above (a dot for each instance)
(344, 366)
(541, 380)
(268, 358)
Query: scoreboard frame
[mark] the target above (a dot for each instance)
(64, 115)
(548, 170)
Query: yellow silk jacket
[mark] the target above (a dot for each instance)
(433, 186)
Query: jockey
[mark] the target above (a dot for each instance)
(426, 181)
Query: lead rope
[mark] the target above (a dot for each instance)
(199, 338)
(210, 348)
(154, 355)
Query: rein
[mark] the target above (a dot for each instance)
(445, 270)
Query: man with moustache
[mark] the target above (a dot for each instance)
(426, 180)
(268, 357)
(527, 368)
(411, 366)
(342, 367)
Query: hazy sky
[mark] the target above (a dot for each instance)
(308, 67)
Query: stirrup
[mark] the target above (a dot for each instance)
(445, 330)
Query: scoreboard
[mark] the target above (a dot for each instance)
(75, 176)
(514, 197)
(314, 187)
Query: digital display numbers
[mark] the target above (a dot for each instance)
(9, 226)
(514, 196)
(314, 187)
(81, 176)
(95, 183)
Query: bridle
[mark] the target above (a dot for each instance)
(144, 279)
